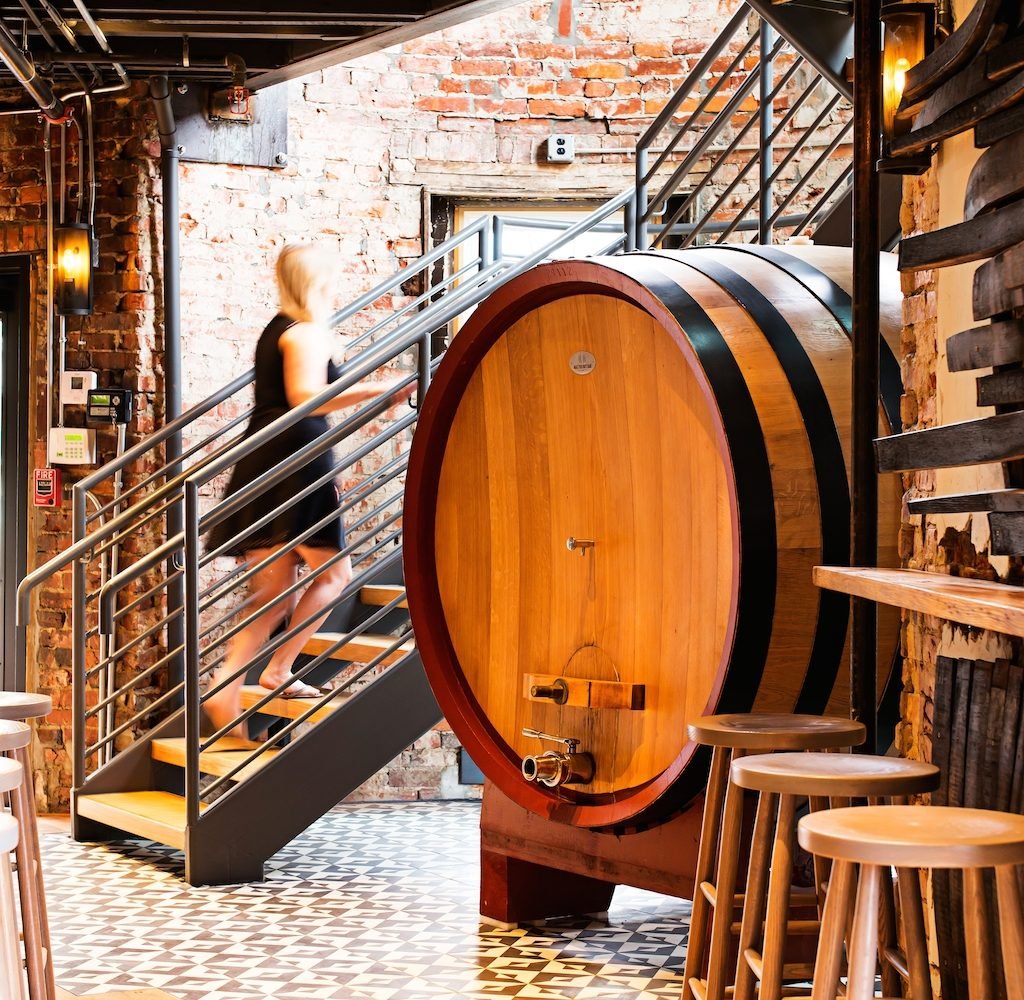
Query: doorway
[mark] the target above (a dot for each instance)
(15, 286)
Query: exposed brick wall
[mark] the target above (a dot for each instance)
(118, 339)
(460, 114)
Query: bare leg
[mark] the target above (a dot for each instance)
(224, 705)
(316, 597)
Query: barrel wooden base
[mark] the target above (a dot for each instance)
(533, 868)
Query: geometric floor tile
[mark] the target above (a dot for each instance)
(372, 902)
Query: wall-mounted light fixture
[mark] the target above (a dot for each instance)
(73, 269)
(908, 36)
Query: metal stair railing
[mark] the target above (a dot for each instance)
(695, 153)
(124, 687)
(106, 604)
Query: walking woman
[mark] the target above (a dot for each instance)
(293, 364)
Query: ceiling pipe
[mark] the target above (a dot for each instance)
(160, 92)
(22, 66)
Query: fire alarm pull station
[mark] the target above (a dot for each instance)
(109, 406)
(45, 487)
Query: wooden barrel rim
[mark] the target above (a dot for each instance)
(457, 700)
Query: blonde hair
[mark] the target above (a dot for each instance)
(304, 275)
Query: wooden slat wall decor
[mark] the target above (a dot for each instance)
(978, 745)
(976, 79)
(957, 51)
(1000, 343)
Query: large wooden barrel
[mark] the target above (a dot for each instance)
(688, 414)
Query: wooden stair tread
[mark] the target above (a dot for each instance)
(377, 595)
(361, 649)
(995, 606)
(287, 708)
(222, 758)
(155, 815)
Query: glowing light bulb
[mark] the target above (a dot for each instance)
(71, 263)
(899, 76)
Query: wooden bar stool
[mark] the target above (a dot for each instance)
(732, 737)
(17, 706)
(880, 838)
(11, 977)
(782, 779)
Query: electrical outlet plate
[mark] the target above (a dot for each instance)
(72, 446)
(561, 148)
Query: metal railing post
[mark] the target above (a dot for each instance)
(78, 644)
(192, 653)
(767, 116)
(486, 244)
(641, 237)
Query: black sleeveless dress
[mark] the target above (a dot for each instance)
(289, 522)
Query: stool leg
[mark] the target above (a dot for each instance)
(777, 914)
(1011, 930)
(725, 886)
(912, 910)
(821, 865)
(754, 896)
(864, 939)
(888, 938)
(833, 926)
(980, 981)
(707, 852)
(10, 953)
(30, 888)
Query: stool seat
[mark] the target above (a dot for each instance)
(11, 774)
(834, 774)
(776, 731)
(916, 836)
(13, 735)
(8, 833)
(21, 705)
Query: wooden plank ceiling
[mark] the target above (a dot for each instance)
(73, 42)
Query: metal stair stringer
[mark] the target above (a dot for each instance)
(822, 34)
(238, 833)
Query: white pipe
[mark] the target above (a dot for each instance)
(48, 171)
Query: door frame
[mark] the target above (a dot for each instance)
(15, 361)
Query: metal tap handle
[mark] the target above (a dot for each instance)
(570, 743)
(572, 544)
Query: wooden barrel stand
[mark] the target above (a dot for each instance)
(533, 868)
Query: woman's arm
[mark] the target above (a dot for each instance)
(305, 356)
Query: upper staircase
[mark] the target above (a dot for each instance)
(752, 147)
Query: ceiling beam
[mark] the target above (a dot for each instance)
(443, 14)
(324, 10)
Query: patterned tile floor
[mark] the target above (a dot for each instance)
(373, 901)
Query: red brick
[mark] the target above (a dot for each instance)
(600, 71)
(652, 50)
(480, 67)
(557, 109)
(444, 105)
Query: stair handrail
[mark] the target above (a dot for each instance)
(460, 288)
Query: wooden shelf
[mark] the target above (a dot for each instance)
(980, 603)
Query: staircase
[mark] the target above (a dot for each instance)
(146, 760)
